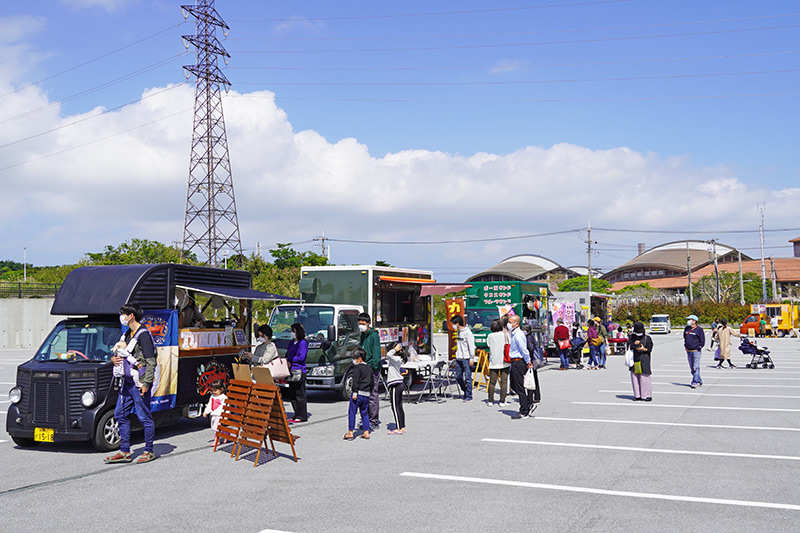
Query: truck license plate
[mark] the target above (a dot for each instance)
(43, 434)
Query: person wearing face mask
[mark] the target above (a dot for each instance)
(296, 357)
(371, 342)
(642, 346)
(265, 350)
(139, 340)
(465, 355)
(693, 341)
(520, 363)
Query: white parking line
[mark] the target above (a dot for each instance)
(650, 423)
(707, 394)
(588, 490)
(649, 450)
(691, 406)
(725, 385)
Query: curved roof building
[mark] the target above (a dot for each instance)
(522, 267)
(673, 259)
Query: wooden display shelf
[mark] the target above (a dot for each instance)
(216, 350)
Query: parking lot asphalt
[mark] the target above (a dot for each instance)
(723, 457)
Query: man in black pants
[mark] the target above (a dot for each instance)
(520, 363)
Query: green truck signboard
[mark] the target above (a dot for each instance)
(527, 299)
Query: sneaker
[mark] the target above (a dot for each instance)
(520, 416)
(694, 385)
(467, 399)
(503, 404)
(648, 399)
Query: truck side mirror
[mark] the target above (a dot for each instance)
(332, 333)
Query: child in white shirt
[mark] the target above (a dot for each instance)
(215, 403)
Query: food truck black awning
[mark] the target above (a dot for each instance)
(101, 290)
(235, 293)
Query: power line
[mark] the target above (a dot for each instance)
(521, 82)
(82, 34)
(511, 101)
(93, 141)
(508, 34)
(107, 54)
(90, 117)
(507, 45)
(491, 239)
(705, 232)
(514, 66)
(437, 13)
(96, 88)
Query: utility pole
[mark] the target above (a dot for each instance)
(258, 248)
(716, 267)
(741, 281)
(763, 268)
(589, 251)
(774, 281)
(25, 264)
(211, 223)
(689, 273)
(326, 250)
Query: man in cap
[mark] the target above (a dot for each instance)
(693, 341)
(602, 332)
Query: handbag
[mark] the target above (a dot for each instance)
(564, 344)
(717, 355)
(628, 358)
(530, 380)
(295, 376)
(279, 368)
(506, 353)
(597, 341)
(637, 367)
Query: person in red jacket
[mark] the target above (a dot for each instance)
(561, 337)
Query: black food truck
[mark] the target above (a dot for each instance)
(65, 392)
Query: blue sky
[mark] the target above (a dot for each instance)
(517, 117)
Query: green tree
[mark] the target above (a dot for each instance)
(706, 288)
(285, 257)
(581, 283)
(380, 263)
(139, 252)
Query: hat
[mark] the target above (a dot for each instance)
(596, 319)
(638, 327)
(693, 317)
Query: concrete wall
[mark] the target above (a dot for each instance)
(25, 322)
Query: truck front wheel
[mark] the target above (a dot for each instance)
(347, 386)
(24, 442)
(781, 333)
(106, 433)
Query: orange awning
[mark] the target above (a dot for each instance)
(398, 279)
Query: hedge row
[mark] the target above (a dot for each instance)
(705, 310)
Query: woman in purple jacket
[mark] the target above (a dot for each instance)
(296, 357)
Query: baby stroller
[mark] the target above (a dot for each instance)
(759, 356)
(576, 352)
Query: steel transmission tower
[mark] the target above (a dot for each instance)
(211, 224)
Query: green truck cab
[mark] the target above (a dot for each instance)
(333, 296)
(528, 299)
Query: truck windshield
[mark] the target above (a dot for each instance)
(481, 319)
(659, 319)
(79, 342)
(315, 319)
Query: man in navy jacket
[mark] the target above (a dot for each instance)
(693, 340)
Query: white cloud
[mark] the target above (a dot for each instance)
(506, 66)
(292, 185)
(298, 22)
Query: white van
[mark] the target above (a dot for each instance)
(660, 324)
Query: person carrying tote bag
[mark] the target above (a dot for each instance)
(642, 347)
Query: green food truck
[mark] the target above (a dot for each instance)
(333, 296)
(528, 299)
